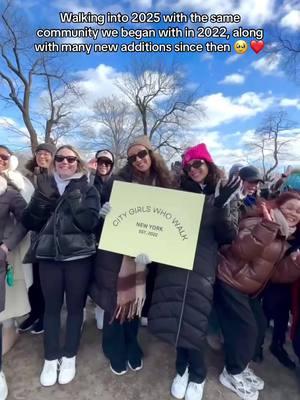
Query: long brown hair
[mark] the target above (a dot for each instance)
(159, 171)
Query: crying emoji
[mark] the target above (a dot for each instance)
(240, 46)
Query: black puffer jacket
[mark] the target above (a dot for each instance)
(182, 300)
(66, 222)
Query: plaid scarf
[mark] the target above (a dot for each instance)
(131, 290)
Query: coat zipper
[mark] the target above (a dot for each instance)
(182, 308)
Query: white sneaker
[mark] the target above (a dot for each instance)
(3, 386)
(144, 321)
(179, 385)
(49, 373)
(99, 315)
(254, 381)
(67, 370)
(239, 385)
(194, 391)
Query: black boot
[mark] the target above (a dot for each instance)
(282, 356)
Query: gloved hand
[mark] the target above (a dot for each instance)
(74, 199)
(105, 210)
(47, 188)
(143, 259)
(227, 191)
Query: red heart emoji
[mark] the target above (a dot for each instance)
(257, 46)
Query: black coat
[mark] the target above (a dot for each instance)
(65, 223)
(182, 300)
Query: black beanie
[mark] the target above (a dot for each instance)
(46, 147)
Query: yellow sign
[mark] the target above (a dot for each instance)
(162, 223)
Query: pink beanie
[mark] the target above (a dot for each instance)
(198, 152)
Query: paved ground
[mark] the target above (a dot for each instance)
(94, 379)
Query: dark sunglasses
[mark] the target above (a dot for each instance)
(4, 157)
(196, 164)
(101, 161)
(70, 159)
(141, 154)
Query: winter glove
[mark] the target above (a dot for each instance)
(143, 259)
(226, 192)
(46, 187)
(75, 199)
(105, 210)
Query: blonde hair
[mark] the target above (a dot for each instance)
(81, 165)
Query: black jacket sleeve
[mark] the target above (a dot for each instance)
(16, 207)
(38, 211)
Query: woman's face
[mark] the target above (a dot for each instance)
(139, 158)
(291, 210)
(197, 170)
(4, 159)
(43, 158)
(104, 166)
(66, 163)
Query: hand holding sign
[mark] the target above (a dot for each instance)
(105, 210)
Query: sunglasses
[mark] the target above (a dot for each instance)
(4, 157)
(141, 154)
(70, 159)
(196, 164)
(101, 161)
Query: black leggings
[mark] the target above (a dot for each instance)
(59, 278)
(277, 300)
(243, 325)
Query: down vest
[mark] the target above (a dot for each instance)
(257, 255)
(182, 300)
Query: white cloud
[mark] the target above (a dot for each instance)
(291, 20)
(253, 12)
(268, 65)
(290, 103)
(207, 57)
(220, 109)
(233, 58)
(233, 79)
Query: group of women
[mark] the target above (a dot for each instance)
(237, 255)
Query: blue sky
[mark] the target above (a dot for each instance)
(235, 90)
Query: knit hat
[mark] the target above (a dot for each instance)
(198, 152)
(105, 154)
(142, 140)
(49, 147)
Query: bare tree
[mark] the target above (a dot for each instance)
(287, 46)
(163, 98)
(25, 75)
(271, 140)
(115, 122)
